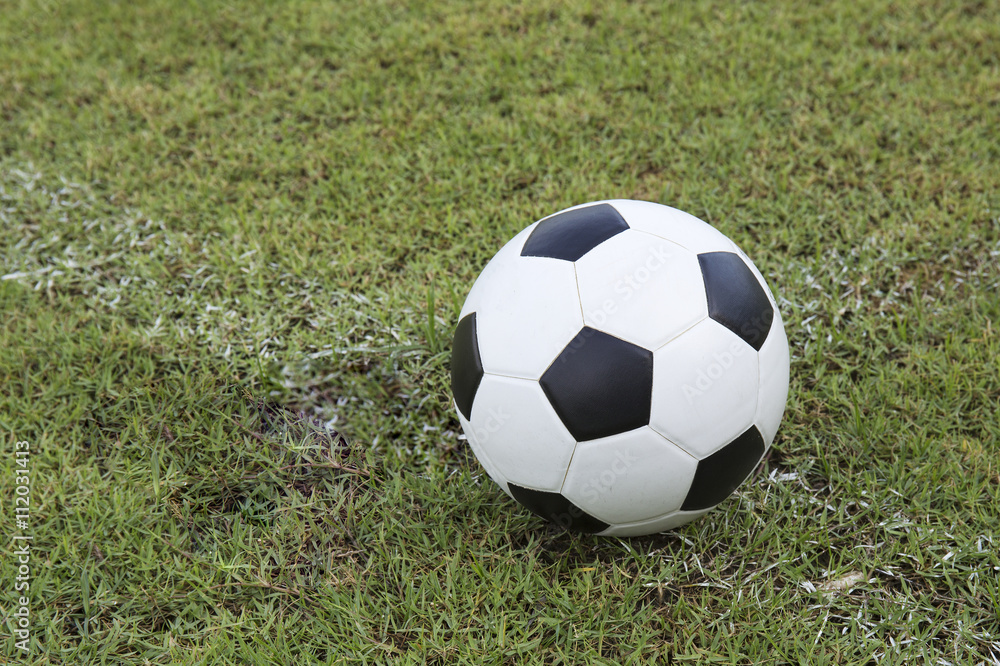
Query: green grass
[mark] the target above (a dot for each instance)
(225, 226)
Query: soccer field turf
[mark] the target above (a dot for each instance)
(227, 227)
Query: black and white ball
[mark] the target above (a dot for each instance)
(620, 367)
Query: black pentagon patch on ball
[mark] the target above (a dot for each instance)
(558, 509)
(735, 297)
(721, 473)
(571, 234)
(600, 385)
(466, 366)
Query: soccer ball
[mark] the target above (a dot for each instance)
(620, 367)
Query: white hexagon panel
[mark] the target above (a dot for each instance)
(494, 269)
(534, 310)
(641, 288)
(515, 413)
(634, 475)
(704, 388)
